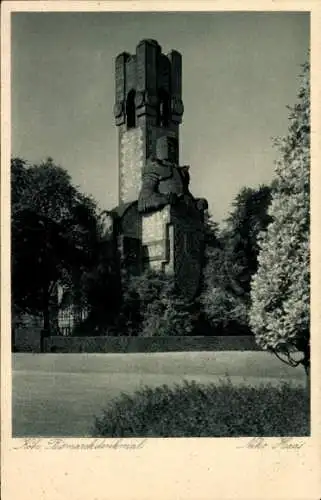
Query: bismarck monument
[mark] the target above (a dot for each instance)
(158, 224)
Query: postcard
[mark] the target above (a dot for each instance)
(160, 257)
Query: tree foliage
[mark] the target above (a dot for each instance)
(280, 314)
(54, 231)
(222, 299)
(100, 291)
(232, 260)
(245, 222)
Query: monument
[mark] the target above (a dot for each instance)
(158, 224)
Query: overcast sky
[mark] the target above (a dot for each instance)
(240, 70)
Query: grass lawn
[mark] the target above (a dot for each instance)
(60, 394)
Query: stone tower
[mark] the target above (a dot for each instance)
(148, 105)
(158, 224)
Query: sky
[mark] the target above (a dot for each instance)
(240, 71)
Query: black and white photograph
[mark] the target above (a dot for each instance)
(159, 184)
(160, 224)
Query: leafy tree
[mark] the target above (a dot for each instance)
(222, 298)
(100, 287)
(211, 231)
(248, 218)
(232, 260)
(54, 230)
(280, 313)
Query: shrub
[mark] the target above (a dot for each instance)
(168, 315)
(197, 410)
(153, 307)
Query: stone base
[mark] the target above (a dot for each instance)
(173, 241)
(170, 240)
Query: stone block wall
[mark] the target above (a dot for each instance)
(131, 161)
(156, 239)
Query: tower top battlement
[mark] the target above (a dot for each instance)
(148, 83)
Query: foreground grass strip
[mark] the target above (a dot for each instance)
(222, 410)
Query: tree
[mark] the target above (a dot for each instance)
(248, 218)
(211, 231)
(232, 260)
(101, 290)
(54, 230)
(222, 300)
(280, 311)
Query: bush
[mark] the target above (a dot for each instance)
(153, 307)
(197, 410)
(166, 316)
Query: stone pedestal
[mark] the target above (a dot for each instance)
(173, 242)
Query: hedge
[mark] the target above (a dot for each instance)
(149, 344)
(196, 410)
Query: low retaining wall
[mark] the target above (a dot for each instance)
(150, 344)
